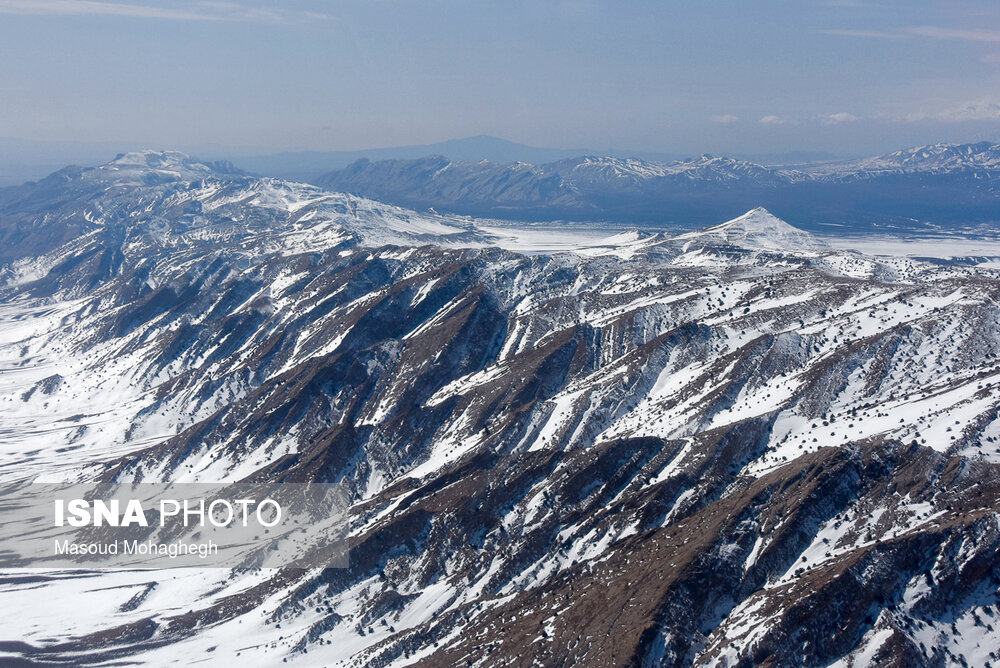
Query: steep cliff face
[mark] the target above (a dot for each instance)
(737, 447)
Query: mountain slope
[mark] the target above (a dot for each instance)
(734, 448)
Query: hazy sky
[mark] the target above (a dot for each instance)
(853, 77)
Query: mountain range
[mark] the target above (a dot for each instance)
(731, 446)
(928, 188)
(22, 160)
(307, 165)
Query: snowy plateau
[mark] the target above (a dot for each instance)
(737, 446)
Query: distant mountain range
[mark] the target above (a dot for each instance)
(927, 189)
(307, 165)
(944, 185)
(23, 160)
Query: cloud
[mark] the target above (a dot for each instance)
(975, 111)
(81, 7)
(992, 58)
(869, 34)
(771, 120)
(725, 119)
(839, 117)
(192, 11)
(938, 32)
(933, 32)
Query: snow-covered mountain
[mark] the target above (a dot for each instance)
(757, 229)
(941, 185)
(733, 447)
(980, 158)
(596, 172)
